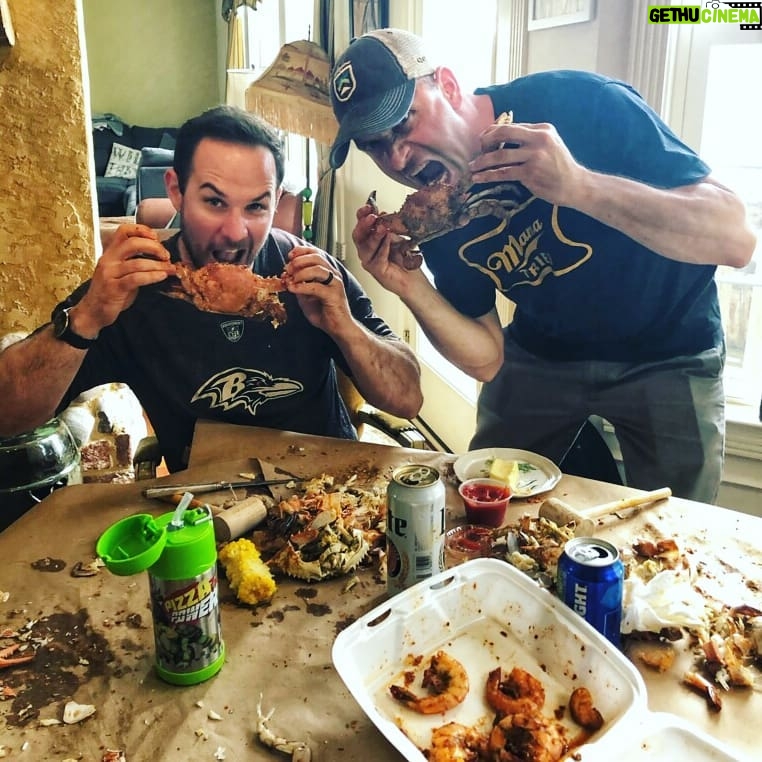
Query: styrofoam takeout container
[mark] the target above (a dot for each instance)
(663, 737)
(486, 613)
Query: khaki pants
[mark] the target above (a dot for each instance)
(669, 416)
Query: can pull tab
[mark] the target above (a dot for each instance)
(177, 516)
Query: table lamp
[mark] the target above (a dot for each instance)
(292, 94)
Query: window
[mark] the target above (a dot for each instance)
(736, 159)
(459, 39)
(713, 110)
(265, 30)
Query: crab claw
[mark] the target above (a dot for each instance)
(4, 652)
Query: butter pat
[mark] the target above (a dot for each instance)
(506, 471)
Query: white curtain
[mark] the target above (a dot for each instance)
(324, 224)
(239, 74)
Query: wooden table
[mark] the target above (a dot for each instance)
(281, 650)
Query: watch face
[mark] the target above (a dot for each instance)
(63, 332)
(60, 323)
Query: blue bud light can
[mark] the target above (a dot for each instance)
(590, 581)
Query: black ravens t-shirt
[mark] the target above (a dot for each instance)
(184, 364)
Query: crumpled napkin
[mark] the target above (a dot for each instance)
(668, 599)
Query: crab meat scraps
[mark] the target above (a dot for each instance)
(230, 289)
(325, 548)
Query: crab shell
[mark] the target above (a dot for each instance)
(343, 550)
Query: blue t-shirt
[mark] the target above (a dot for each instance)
(184, 364)
(582, 289)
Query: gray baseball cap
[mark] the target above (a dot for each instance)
(373, 84)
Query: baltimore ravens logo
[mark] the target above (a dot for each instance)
(344, 83)
(245, 387)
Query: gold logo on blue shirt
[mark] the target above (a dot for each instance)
(525, 258)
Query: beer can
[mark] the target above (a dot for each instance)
(590, 581)
(415, 526)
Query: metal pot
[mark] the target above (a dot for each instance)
(33, 464)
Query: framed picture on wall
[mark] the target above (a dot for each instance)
(544, 14)
(367, 15)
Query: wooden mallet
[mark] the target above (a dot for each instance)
(562, 513)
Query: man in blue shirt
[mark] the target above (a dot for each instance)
(607, 237)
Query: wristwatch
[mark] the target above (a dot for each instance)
(63, 332)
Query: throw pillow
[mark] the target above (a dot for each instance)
(123, 162)
(167, 141)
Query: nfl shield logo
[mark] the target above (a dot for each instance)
(232, 329)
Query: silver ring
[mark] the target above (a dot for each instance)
(328, 279)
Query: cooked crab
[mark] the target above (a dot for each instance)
(325, 548)
(439, 208)
(230, 289)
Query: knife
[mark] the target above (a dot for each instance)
(213, 486)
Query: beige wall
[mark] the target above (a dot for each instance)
(46, 210)
(152, 63)
(600, 45)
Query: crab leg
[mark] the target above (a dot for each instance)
(298, 750)
(483, 203)
(4, 662)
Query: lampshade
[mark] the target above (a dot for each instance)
(292, 93)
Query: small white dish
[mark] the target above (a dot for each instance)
(538, 474)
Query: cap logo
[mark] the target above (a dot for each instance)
(344, 83)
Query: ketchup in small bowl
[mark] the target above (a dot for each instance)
(464, 542)
(485, 501)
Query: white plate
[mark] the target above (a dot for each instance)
(538, 474)
(484, 613)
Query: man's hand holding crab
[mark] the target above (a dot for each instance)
(383, 369)
(532, 154)
(133, 258)
(378, 255)
(318, 288)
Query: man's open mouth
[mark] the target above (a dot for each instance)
(228, 256)
(432, 172)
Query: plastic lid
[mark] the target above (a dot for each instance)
(132, 545)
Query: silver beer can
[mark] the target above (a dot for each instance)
(415, 526)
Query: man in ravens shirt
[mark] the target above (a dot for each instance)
(183, 363)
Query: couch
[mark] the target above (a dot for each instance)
(117, 152)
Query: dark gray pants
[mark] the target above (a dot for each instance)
(669, 416)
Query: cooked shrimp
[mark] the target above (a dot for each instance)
(518, 693)
(454, 742)
(447, 683)
(582, 710)
(527, 738)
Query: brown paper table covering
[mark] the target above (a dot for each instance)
(283, 650)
